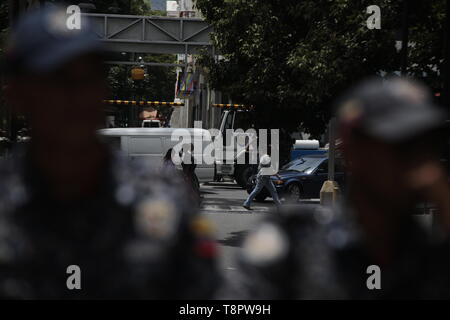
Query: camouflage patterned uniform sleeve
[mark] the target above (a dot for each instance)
(169, 223)
(142, 239)
(271, 264)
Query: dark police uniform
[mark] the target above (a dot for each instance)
(137, 238)
(319, 253)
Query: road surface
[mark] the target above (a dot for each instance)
(222, 204)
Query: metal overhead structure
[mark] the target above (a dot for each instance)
(144, 103)
(233, 106)
(150, 64)
(151, 34)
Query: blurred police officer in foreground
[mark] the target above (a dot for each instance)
(67, 200)
(370, 246)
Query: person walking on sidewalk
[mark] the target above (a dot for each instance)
(263, 180)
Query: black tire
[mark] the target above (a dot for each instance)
(196, 182)
(293, 192)
(261, 196)
(250, 185)
(242, 174)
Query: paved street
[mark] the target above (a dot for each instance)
(222, 203)
(227, 197)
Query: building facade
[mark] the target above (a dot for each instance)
(192, 85)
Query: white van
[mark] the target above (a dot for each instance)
(152, 144)
(151, 123)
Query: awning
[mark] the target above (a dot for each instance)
(236, 106)
(144, 103)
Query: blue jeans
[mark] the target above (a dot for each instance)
(261, 182)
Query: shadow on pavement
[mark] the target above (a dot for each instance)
(235, 240)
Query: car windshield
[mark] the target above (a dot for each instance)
(306, 165)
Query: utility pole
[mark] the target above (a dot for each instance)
(330, 189)
(332, 149)
(446, 71)
(405, 38)
(14, 8)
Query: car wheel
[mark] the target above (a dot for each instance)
(242, 175)
(251, 182)
(293, 192)
(261, 196)
(196, 181)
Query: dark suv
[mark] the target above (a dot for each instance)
(301, 178)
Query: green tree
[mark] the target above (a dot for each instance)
(292, 58)
(136, 7)
(159, 83)
(133, 7)
(4, 25)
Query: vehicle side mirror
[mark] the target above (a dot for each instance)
(321, 170)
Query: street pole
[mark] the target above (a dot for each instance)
(445, 94)
(405, 38)
(131, 113)
(14, 8)
(446, 91)
(330, 189)
(332, 149)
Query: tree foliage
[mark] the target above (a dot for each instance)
(133, 7)
(4, 25)
(159, 83)
(292, 58)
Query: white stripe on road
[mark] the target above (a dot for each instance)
(234, 209)
(212, 208)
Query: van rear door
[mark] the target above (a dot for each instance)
(147, 148)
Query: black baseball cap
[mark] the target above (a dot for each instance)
(41, 42)
(393, 110)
